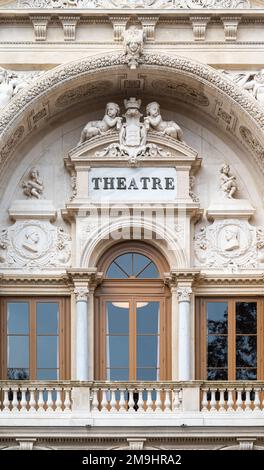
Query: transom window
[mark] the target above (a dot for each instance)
(132, 265)
(229, 332)
(34, 334)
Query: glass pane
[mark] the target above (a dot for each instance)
(140, 262)
(117, 374)
(150, 272)
(117, 351)
(147, 374)
(18, 352)
(17, 374)
(114, 272)
(148, 317)
(17, 318)
(47, 318)
(125, 263)
(246, 317)
(47, 374)
(147, 351)
(217, 317)
(246, 374)
(246, 351)
(47, 352)
(217, 374)
(217, 351)
(117, 317)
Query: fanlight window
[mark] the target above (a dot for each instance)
(134, 266)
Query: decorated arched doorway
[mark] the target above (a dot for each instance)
(132, 315)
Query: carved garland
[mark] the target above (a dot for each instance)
(69, 71)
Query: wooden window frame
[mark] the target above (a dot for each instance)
(132, 290)
(63, 334)
(201, 335)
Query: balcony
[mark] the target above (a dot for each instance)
(71, 403)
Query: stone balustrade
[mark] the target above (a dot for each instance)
(143, 404)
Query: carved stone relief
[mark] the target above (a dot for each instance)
(11, 143)
(132, 132)
(228, 183)
(33, 187)
(253, 82)
(33, 244)
(181, 90)
(133, 39)
(133, 4)
(231, 244)
(79, 93)
(252, 142)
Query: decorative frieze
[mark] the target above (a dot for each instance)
(133, 4)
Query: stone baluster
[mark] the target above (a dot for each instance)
(167, 401)
(257, 400)
(122, 401)
(149, 402)
(6, 401)
(95, 401)
(49, 400)
(23, 402)
(213, 400)
(158, 401)
(113, 408)
(248, 401)
(32, 400)
(140, 402)
(205, 400)
(67, 399)
(230, 401)
(131, 403)
(176, 400)
(41, 402)
(222, 401)
(58, 402)
(104, 401)
(239, 401)
(15, 400)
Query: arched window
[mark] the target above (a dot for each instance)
(132, 321)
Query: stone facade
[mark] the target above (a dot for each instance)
(108, 106)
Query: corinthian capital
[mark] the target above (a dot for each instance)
(184, 294)
(81, 294)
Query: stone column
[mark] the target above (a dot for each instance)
(81, 339)
(174, 331)
(184, 333)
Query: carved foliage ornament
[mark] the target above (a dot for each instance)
(181, 90)
(133, 4)
(184, 294)
(81, 294)
(34, 244)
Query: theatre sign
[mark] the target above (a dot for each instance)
(131, 159)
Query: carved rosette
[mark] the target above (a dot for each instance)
(184, 294)
(81, 294)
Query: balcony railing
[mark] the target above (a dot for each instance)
(137, 404)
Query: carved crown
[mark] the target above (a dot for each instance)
(132, 103)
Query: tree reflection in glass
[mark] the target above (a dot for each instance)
(246, 340)
(217, 340)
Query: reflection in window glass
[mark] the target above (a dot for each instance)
(117, 317)
(47, 318)
(217, 340)
(246, 340)
(117, 340)
(47, 352)
(17, 352)
(17, 318)
(147, 340)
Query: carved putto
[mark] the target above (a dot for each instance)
(110, 121)
(133, 38)
(154, 122)
(228, 183)
(253, 82)
(34, 186)
(132, 131)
